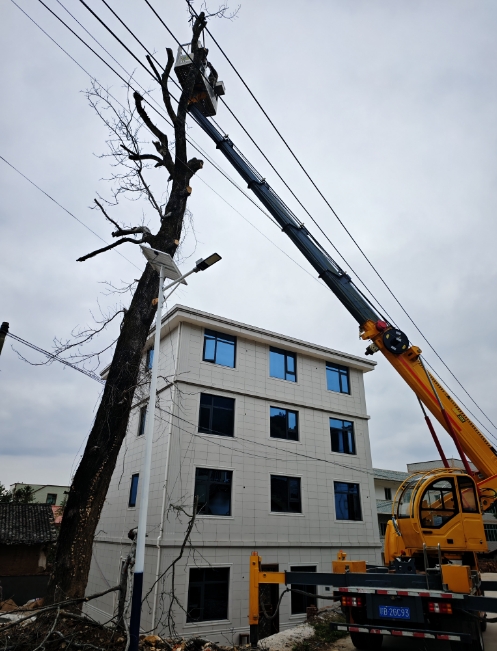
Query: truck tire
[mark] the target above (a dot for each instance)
(367, 641)
(477, 644)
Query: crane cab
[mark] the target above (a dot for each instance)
(437, 511)
(207, 88)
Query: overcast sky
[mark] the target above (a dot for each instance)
(391, 108)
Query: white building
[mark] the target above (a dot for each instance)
(271, 434)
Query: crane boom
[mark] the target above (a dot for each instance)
(394, 344)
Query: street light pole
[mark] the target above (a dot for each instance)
(144, 480)
(163, 263)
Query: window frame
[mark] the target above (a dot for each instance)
(341, 371)
(342, 431)
(388, 493)
(287, 412)
(282, 476)
(286, 354)
(131, 484)
(210, 431)
(215, 515)
(444, 491)
(335, 493)
(142, 420)
(194, 622)
(50, 503)
(215, 334)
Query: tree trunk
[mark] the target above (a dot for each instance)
(91, 481)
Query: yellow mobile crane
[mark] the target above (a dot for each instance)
(430, 586)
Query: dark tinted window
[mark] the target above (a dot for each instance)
(219, 348)
(208, 593)
(150, 358)
(285, 494)
(282, 364)
(337, 378)
(217, 415)
(388, 493)
(133, 490)
(342, 436)
(213, 490)
(51, 498)
(283, 424)
(347, 501)
(300, 602)
(143, 420)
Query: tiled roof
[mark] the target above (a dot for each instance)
(384, 507)
(26, 524)
(390, 475)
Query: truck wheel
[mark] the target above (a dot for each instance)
(367, 641)
(476, 644)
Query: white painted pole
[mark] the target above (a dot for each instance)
(144, 481)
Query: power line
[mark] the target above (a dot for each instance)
(134, 56)
(66, 210)
(335, 214)
(55, 358)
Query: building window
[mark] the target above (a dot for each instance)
(133, 490)
(219, 348)
(208, 592)
(347, 501)
(51, 498)
(285, 494)
(217, 415)
(143, 419)
(213, 490)
(388, 494)
(342, 436)
(300, 602)
(337, 378)
(282, 364)
(383, 529)
(283, 424)
(149, 359)
(490, 532)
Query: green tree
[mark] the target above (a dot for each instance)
(5, 495)
(24, 495)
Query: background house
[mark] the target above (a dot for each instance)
(27, 533)
(386, 483)
(271, 434)
(44, 493)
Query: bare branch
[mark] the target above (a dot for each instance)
(130, 231)
(144, 116)
(111, 246)
(105, 214)
(194, 165)
(163, 150)
(165, 91)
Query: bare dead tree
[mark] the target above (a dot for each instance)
(91, 480)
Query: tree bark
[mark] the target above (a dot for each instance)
(91, 481)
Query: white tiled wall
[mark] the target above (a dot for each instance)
(312, 537)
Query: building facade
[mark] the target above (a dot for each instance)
(269, 436)
(51, 494)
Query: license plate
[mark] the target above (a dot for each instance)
(395, 612)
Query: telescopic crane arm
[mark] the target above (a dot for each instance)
(391, 342)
